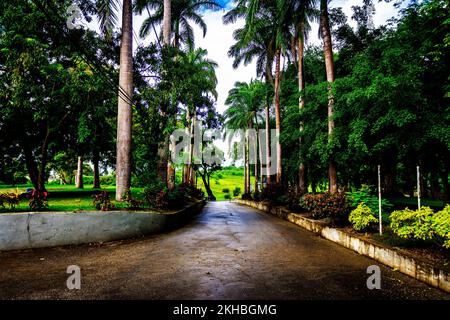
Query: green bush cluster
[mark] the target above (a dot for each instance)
(38, 200)
(422, 224)
(9, 198)
(102, 201)
(236, 192)
(109, 180)
(366, 195)
(159, 196)
(362, 217)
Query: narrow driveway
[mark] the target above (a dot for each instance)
(227, 252)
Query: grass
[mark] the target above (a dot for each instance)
(229, 178)
(66, 197)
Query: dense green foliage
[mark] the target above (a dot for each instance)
(423, 224)
(391, 105)
(362, 217)
(366, 196)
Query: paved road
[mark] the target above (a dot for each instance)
(227, 252)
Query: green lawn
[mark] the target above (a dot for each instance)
(66, 197)
(228, 178)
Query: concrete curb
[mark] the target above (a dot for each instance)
(403, 262)
(49, 229)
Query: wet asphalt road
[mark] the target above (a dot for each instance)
(227, 252)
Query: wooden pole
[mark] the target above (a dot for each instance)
(379, 201)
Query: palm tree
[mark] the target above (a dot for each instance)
(329, 66)
(200, 84)
(303, 11)
(267, 20)
(182, 13)
(108, 19)
(245, 105)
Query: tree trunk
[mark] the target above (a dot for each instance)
(267, 116)
(211, 196)
(246, 165)
(42, 169)
(302, 183)
(30, 164)
(256, 161)
(167, 21)
(277, 112)
(329, 66)
(124, 115)
(79, 178)
(389, 178)
(95, 160)
(171, 166)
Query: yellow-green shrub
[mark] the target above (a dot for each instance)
(422, 224)
(441, 225)
(410, 224)
(362, 217)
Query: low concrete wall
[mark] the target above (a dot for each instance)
(402, 261)
(48, 229)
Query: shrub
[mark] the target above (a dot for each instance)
(226, 190)
(362, 217)
(88, 179)
(423, 224)
(158, 196)
(38, 200)
(227, 196)
(151, 194)
(441, 226)
(109, 180)
(190, 192)
(409, 224)
(365, 195)
(236, 192)
(9, 198)
(131, 202)
(274, 193)
(326, 205)
(102, 201)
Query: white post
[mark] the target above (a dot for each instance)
(379, 201)
(418, 187)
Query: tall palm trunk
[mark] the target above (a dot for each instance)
(246, 164)
(302, 184)
(79, 178)
(329, 66)
(277, 111)
(256, 157)
(124, 114)
(167, 21)
(267, 116)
